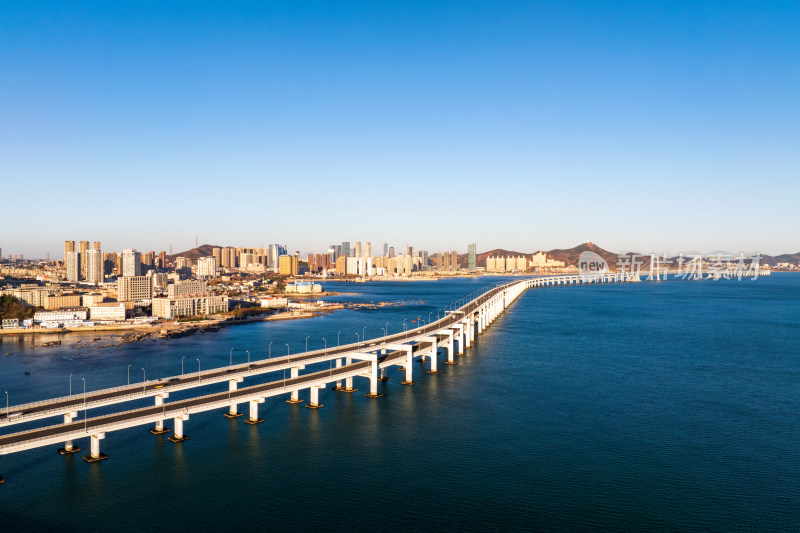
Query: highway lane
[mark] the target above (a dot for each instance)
(58, 406)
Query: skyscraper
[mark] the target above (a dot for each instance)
(94, 266)
(69, 246)
(472, 259)
(386, 249)
(367, 249)
(359, 250)
(345, 251)
(73, 262)
(96, 245)
(83, 247)
(131, 263)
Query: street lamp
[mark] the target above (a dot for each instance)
(198, 369)
(404, 324)
(364, 333)
(270, 349)
(84, 403)
(307, 342)
(387, 329)
(230, 363)
(326, 345)
(70, 385)
(6, 405)
(182, 358)
(429, 317)
(144, 379)
(337, 337)
(248, 357)
(129, 374)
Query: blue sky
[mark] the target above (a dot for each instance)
(654, 126)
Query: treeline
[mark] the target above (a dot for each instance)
(10, 307)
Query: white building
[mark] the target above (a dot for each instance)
(189, 306)
(64, 315)
(107, 312)
(94, 267)
(73, 266)
(274, 301)
(134, 288)
(207, 267)
(131, 263)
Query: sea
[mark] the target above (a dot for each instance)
(666, 406)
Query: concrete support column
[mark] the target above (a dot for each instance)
(338, 382)
(232, 410)
(314, 393)
(254, 412)
(373, 381)
(348, 382)
(295, 398)
(159, 429)
(480, 321)
(434, 357)
(471, 330)
(95, 454)
(409, 367)
(460, 339)
(177, 434)
(68, 446)
(450, 348)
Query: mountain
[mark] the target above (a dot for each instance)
(569, 256)
(783, 258)
(204, 250)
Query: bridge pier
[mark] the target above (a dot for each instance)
(471, 330)
(159, 429)
(434, 357)
(314, 402)
(69, 448)
(177, 435)
(233, 409)
(295, 398)
(338, 381)
(460, 328)
(348, 382)
(383, 376)
(409, 366)
(95, 454)
(254, 412)
(373, 381)
(467, 333)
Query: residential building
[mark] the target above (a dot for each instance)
(345, 251)
(83, 247)
(207, 267)
(73, 260)
(104, 313)
(187, 288)
(287, 265)
(274, 301)
(61, 301)
(359, 252)
(131, 263)
(64, 315)
(69, 246)
(472, 258)
(367, 249)
(94, 266)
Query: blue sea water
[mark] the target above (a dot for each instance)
(671, 406)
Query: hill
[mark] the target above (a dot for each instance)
(569, 255)
(204, 250)
(783, 258)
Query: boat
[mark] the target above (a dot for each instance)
(27, 372)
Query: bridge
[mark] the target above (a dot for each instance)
(369, 359)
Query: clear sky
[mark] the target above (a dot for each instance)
(652, 126)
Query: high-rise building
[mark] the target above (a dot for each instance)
(131, 263)
(73, 262)
(83, 247)
(287, 265)
(454, 260)
(472, 260)
(367, 249)
(162, 259)
(216, 253)
(359, 250)
(69, 246)
(345, 251)
(246, 258)
(96, 245)
(386, 249)
(207, 267)
(94, 266)
(391, 252)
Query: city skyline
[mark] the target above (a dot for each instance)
(525, 126)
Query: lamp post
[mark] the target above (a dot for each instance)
(6, 405)
(248, 357)
(429, 317)
(364, 334)
(270, 349)
(70, 385)
(337, 337)
(230, 362)
(144, 379)
(198, 369)
(326, 345)
(307, 342)
(182, 358)
(129, 374)
(84, 404)
(358, 340)
(404, 324)
(387, 329)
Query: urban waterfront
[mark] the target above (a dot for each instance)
(668, 405)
